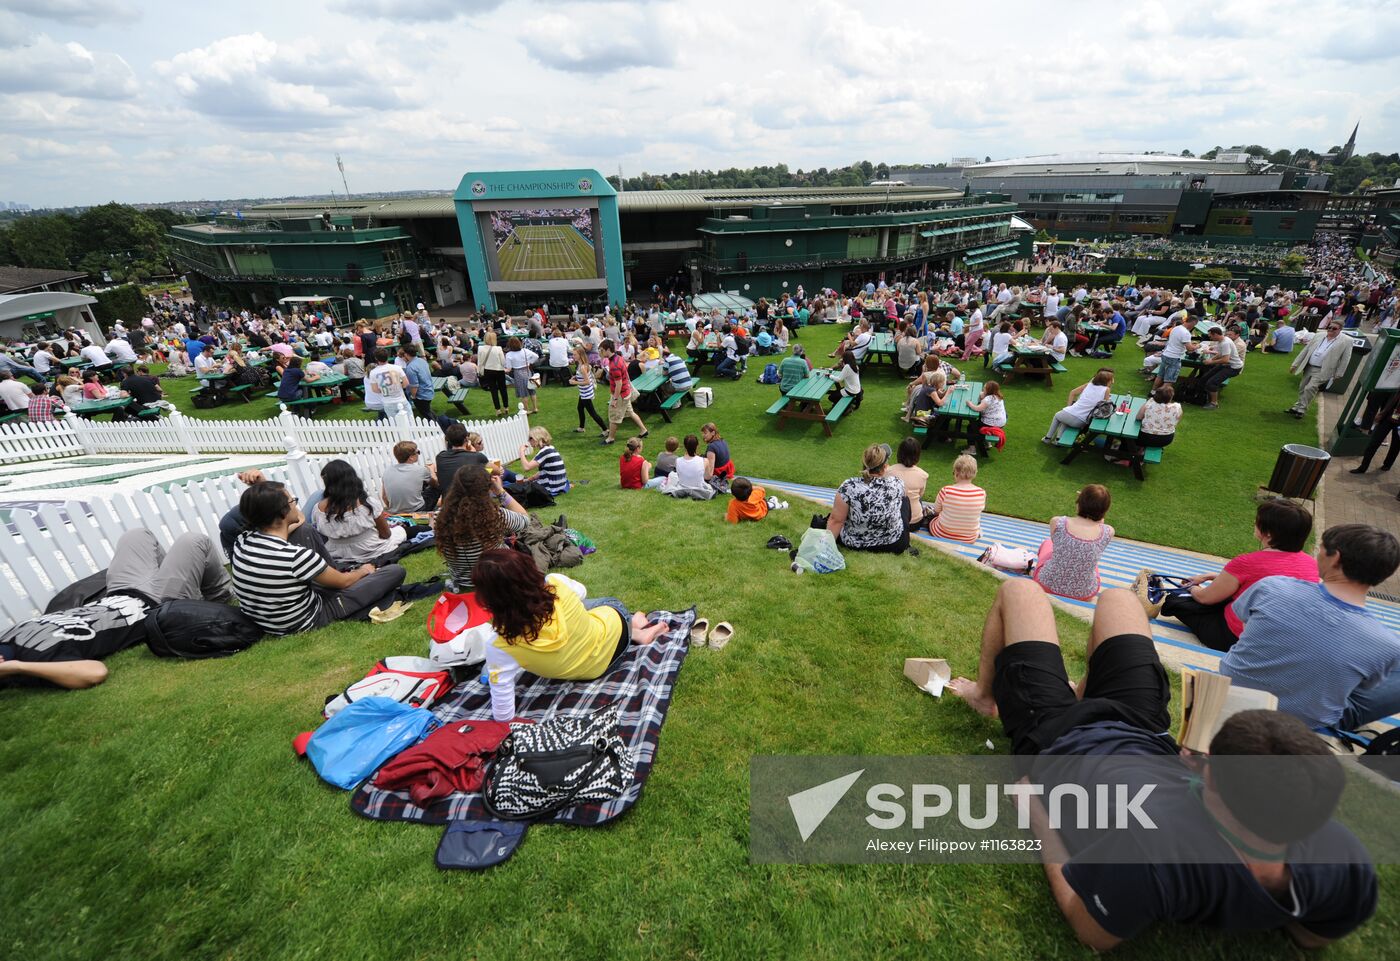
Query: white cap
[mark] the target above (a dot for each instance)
(420, 306)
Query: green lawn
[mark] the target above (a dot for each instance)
(163, 815)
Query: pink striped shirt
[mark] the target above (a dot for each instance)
(959, 512)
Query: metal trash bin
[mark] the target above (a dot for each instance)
(1298, 470)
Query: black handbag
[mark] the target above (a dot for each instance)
(543, 768)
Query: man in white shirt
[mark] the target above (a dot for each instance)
(43, 360)
(204, 362)
(559, 355)
(13, 393)
(1172, 354)
(96, 356)
(1004, 296)
(1056, 340)
(120, 351)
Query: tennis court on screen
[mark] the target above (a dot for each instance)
(546, 252)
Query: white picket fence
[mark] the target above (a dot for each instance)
(50, 546)
(178, 434)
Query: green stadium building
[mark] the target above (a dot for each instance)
(372, 257)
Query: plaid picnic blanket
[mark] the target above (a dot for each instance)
(641, 681)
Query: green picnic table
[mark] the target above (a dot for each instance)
(881, 349)
(1122, 424)
(1031, 360)
(703, 355)
(649, 386)
(949, 422)
(95, 408)
(69, 363)
(804, 402)
(327, 385)
(1203, 328)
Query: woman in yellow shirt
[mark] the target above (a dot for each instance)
(545, 626)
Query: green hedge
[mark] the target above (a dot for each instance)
(123, 303)
(1062, 280)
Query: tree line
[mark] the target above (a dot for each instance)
(124, 243)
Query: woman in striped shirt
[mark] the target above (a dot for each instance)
(477, 514)
(958, 506)
(584, 381)
(547, 461)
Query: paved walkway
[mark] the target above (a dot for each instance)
(1365, 499)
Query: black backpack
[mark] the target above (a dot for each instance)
(199, 629)
(741, 346)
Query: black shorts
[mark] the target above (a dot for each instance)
(1126, 682)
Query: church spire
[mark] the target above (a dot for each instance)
(1350, 147)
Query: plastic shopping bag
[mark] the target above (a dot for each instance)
(354, 743)
(818, 552)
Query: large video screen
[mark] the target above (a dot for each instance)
(543, 245)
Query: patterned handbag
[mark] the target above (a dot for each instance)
(543, 768)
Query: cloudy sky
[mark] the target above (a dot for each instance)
(150, 100)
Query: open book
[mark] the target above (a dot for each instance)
(1207, 700)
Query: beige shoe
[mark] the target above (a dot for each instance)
(393, 612)
(699, 632)
(1140, 589)
(721, 635)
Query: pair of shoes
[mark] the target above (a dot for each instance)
(1210, 406)
(393, 612)
(701, 635)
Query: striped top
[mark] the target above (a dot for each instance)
(1308, 647)
(678, 373)
(959, 512)
(461, 558)
(273, 582)
(585, 382)
(553, 477)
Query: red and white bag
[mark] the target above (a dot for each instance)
(460, 629)
(415, 681)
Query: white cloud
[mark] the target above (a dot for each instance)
(599, 38)
(87, 13)
(414, 11)
(44, 65)
(253, 82)
(255, 99)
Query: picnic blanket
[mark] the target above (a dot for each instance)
(642, 681)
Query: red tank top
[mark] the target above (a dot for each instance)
(631, 471)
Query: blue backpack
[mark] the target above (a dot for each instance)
(769, 375)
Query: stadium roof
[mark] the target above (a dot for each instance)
(1088, 162)
(633, 201)
(20, 279)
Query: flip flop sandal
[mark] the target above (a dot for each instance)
(393, 612)
(721, 635)
(699, 632)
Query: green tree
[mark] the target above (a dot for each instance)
(46, 241)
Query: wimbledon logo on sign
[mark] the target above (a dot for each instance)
(479, 188)
(585, 185)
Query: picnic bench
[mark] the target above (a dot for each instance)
(650, 384)
(701, 356)
(1122, 424)
(881, 350)
(96, 408)
(1030, 361)
(804, 402)
(457, 398)
(950, 421)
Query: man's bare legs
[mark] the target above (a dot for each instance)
(1021, 612)
(1113, 615)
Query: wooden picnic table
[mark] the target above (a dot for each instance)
(95, 408)
(1031, 361)
(949, 422)
(804, 402)
(1122, 424)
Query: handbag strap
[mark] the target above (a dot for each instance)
(486, 783)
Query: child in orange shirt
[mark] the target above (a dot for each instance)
(749, 503)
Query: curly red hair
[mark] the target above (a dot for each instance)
(511, 587)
